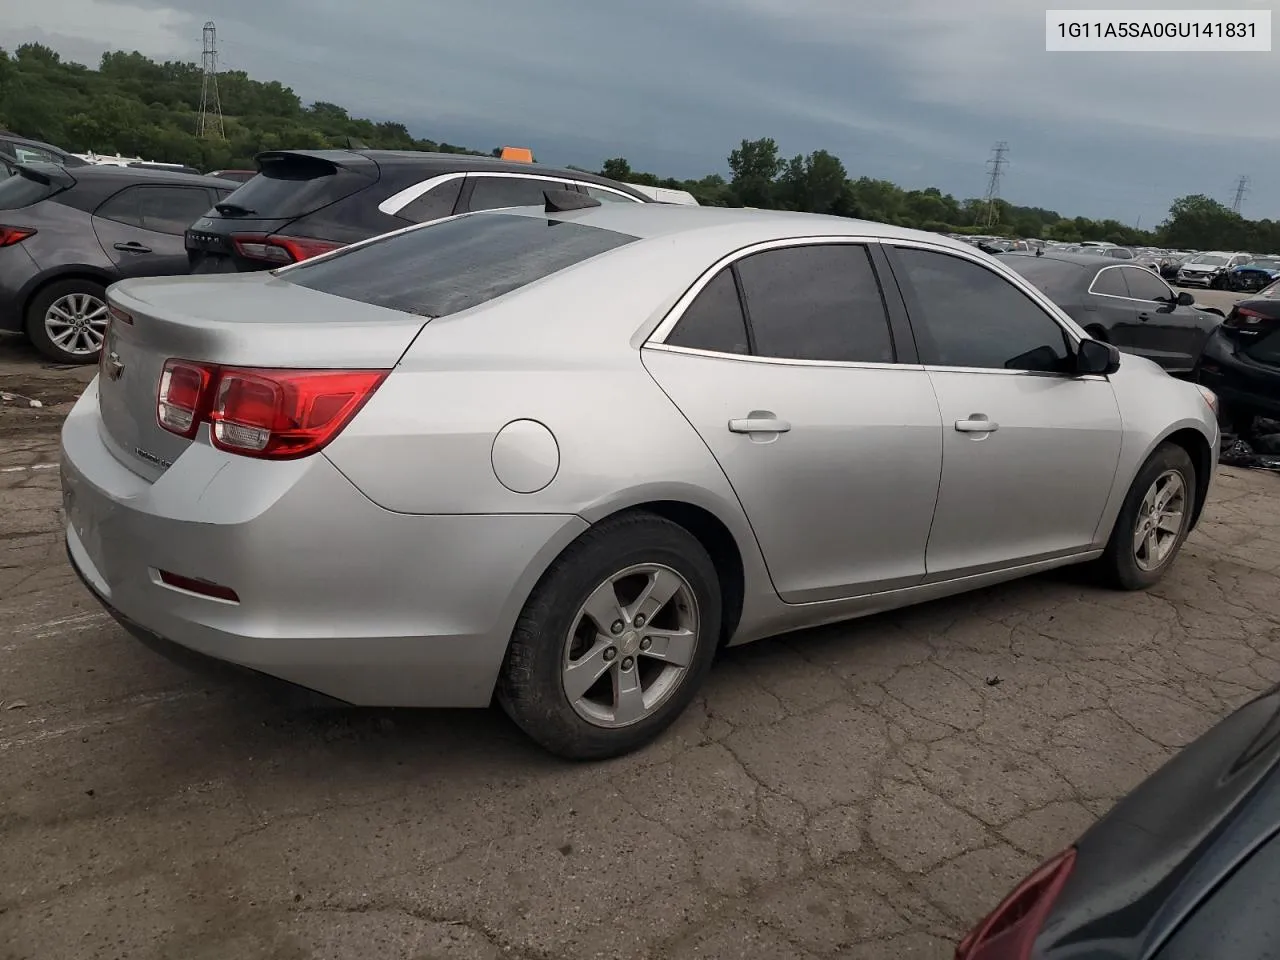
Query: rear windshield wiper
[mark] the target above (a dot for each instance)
(233, 209)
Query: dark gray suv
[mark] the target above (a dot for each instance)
(66, 234)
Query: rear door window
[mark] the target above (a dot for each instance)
(161, 209)
(818, 302)
(451, 266)
(435, 204)
(609, 196)
(494, 193)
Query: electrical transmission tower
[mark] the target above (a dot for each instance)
(996, 164)
(1242, 187)
(210, 121)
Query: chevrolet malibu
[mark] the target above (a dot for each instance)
(561, 455)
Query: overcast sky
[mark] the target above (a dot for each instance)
(914, 91)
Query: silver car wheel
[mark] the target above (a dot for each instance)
(1160, 520)
(77, 323)
(630, 645)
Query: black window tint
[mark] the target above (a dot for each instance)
(1143, 284)
(1110, 283)
(19, 191)
(816, 303)
(714, 320)
(293, 185)
(436, 203)
(124, 207)
(1058, 279)
(159, 209)
(453, 265)
(968, 316)
(492, 193)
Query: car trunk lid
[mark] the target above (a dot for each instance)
(252, 320)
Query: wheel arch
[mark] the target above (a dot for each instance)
(1198, 448)
(44, 280)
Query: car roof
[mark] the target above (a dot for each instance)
(1076, 259)
(28, 141)
(128, 176)
(749, 225)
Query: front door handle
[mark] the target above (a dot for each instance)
(132, 247)
(977, 423)
(759, 424)
(1144, 316)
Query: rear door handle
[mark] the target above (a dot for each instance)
(977, 424)
(759, 425)
(1144, 316)
(132, 247)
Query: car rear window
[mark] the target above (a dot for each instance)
(21, 191)
(453, 265)
(293, 186)
(1055, 278)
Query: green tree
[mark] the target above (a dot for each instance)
(755, 166)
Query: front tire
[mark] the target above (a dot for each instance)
(67, 320)
(1153, 522)
(615, 640)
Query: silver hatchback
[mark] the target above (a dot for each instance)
(564, 456)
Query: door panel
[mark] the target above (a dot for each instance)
(840, 502)
(1034, 487)
(1172, 334)
(141, 228)
(1029, 450)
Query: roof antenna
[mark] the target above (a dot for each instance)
(561, 201)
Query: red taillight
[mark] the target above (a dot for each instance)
(182, 397)
(1010, 930)
(272, 414)
(274, 248)
(117, 315)
(1242, 318)
(11, 235)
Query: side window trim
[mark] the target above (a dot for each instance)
(398, 201)
(904, 349)
(1112, 296)
(584, 184)
(1070, 331)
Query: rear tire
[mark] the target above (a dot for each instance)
(67, 320)
(1133, 560)
(555, 636)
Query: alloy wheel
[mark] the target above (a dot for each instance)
(630, 645)
(77, 323)
(1160, 520)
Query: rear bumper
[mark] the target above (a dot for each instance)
(1238, 383)
(337, 595)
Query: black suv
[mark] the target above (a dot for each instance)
(67, 233)
(307, 202)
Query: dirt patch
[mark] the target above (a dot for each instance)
(26, 376)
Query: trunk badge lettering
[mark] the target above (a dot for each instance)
(152, 458)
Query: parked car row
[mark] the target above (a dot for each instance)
(67, 233)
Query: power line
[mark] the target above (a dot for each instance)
(996, 165)
(1242, 187)
(209, 123)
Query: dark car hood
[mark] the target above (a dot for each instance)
(1145, 865)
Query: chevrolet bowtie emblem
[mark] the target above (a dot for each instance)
(114, 367)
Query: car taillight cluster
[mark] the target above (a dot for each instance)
(1009, 932)
(279, 249)
(273, 414)
(1242, 318)
(11, 235)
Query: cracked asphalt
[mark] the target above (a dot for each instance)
(861, 791)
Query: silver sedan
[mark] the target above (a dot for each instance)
(563, 456)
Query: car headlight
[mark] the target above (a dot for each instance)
(1210, 398)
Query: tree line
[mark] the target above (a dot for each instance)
(135, 106)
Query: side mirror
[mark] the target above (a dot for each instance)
(1185, 299)
(1097, 358)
